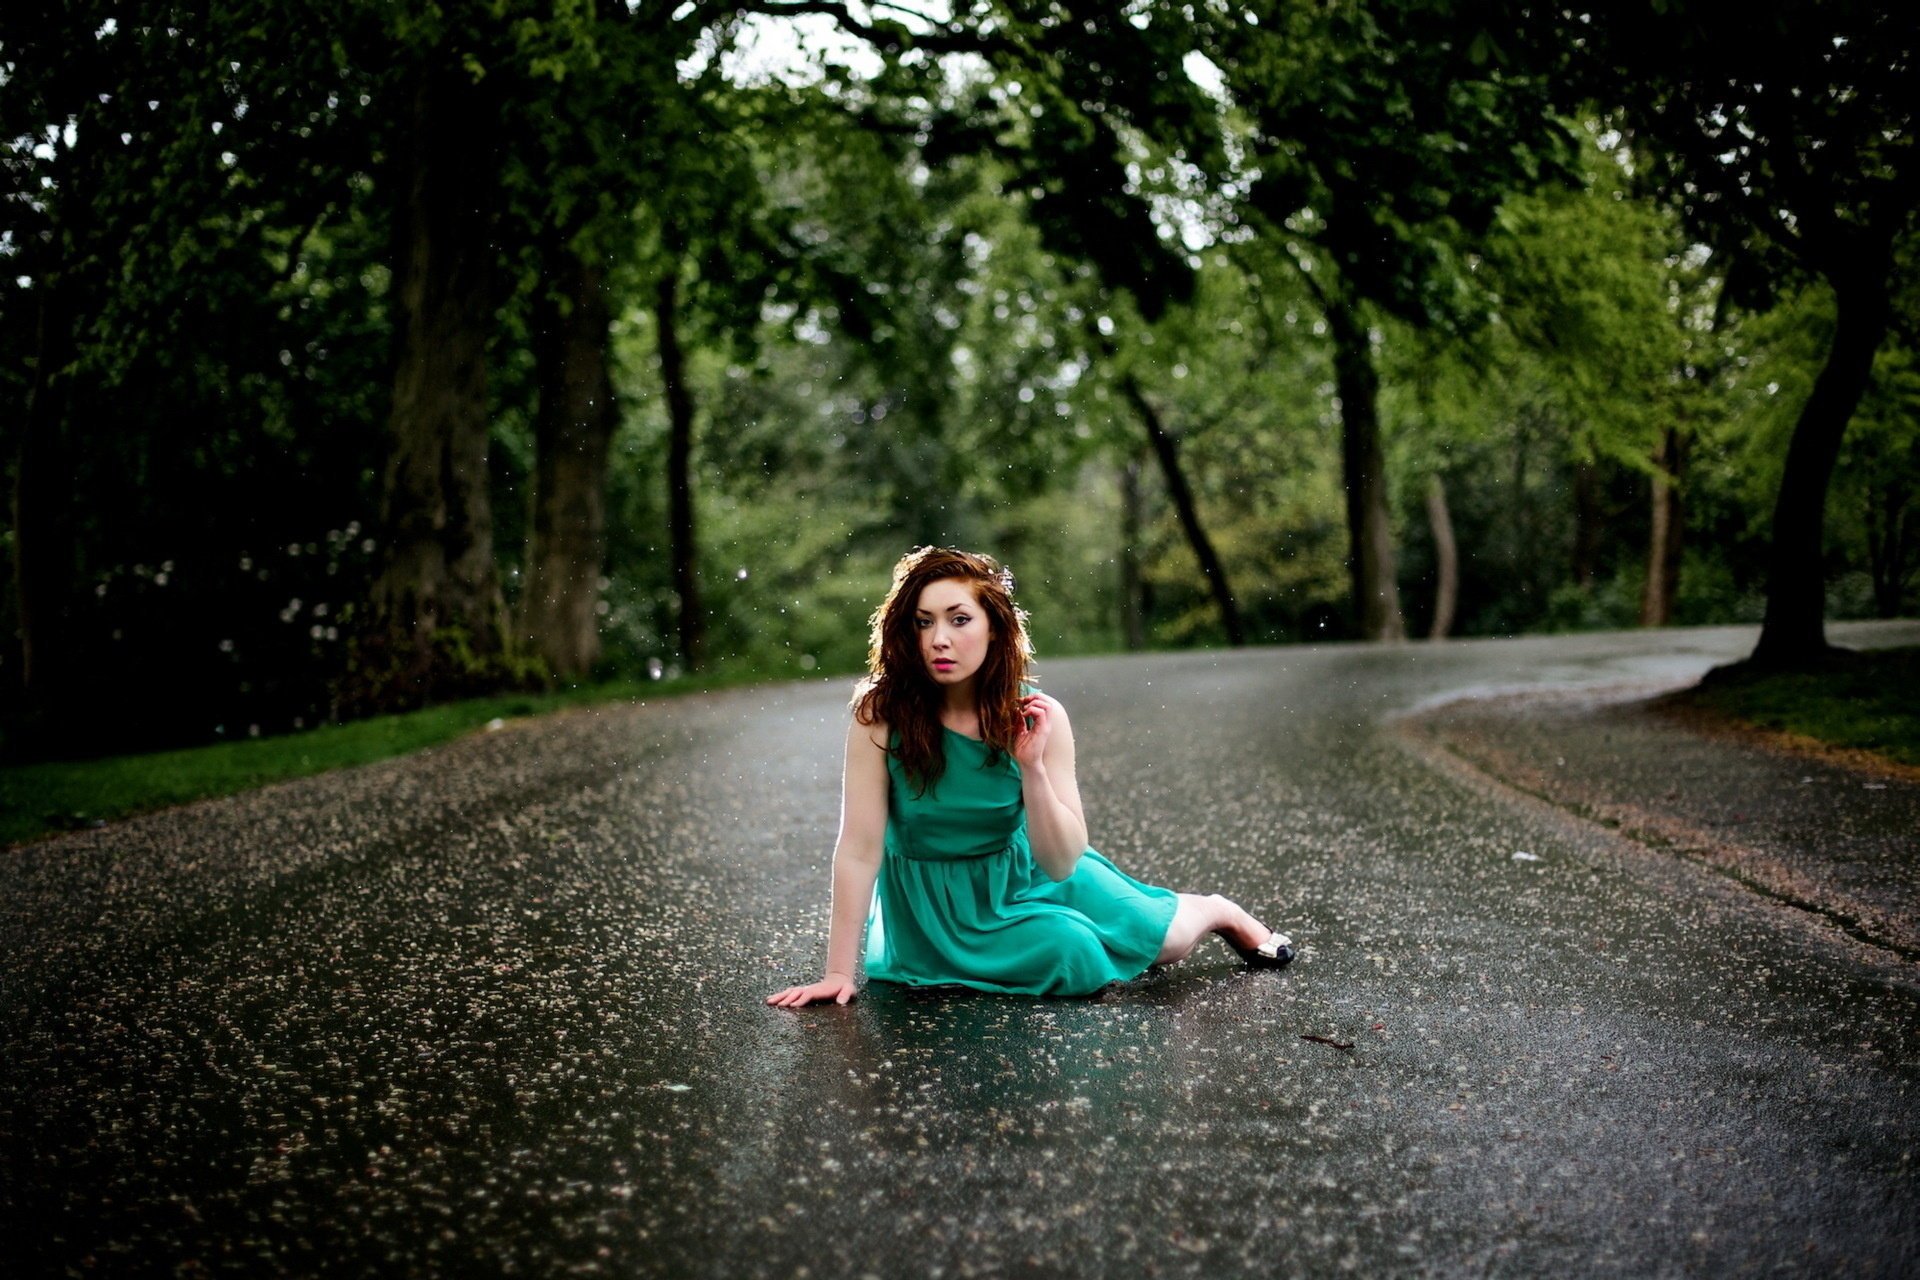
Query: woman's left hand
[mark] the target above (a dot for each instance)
(1031, 745)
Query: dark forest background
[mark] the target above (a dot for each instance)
(363, 355)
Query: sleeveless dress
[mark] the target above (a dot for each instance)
(960, 900)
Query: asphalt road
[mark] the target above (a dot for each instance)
(495, 1009)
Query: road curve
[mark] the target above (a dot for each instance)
(495, 1009)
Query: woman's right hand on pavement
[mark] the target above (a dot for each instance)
(833, 987)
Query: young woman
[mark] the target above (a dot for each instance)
(963, 850)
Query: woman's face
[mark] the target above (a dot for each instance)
(954, 636)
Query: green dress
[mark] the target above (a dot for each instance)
(960, 899)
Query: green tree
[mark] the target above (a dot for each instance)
(1084, 109)
(1383, 137)
(165, 211)
(1786, 136)
(1621, 316)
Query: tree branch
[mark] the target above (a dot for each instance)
(1807, 192)
(1304, 269)
(886, 36)
(1703, 159)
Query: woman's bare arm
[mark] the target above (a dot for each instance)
(1056, 826)
(856, 862)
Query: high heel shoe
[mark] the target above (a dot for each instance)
(1275, 953)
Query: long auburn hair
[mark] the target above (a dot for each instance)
(898, 688)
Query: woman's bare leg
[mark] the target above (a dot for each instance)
(1199, 916)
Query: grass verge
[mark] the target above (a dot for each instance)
(1866, 701)
(37, 800)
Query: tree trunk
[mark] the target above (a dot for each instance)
(1446, 592)
(1133, 622)
(435, 510)
(1525, 577)
(567, 548)
(43, 530)
(1887, 527)
(686, 577)
(1663, 544)
(1586, 523)
(1167, 450)
(1794, 631)
(1375, 595)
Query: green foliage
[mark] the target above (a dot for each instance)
(1078, 103)
(1783, 133)
(1608, 329)
(1875, 501)
(1860, 700)
(911, 301)
(1605, 296)
(1378, 145)
(1611, 605)
(376, 679)
(1242, 380)
(213, 348)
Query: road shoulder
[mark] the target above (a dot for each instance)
(1824, 830)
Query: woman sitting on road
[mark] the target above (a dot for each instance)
(959, 800)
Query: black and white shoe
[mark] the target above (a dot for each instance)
(1275, 953)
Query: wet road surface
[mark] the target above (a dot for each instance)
(1829, 834)
(495, 1009)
